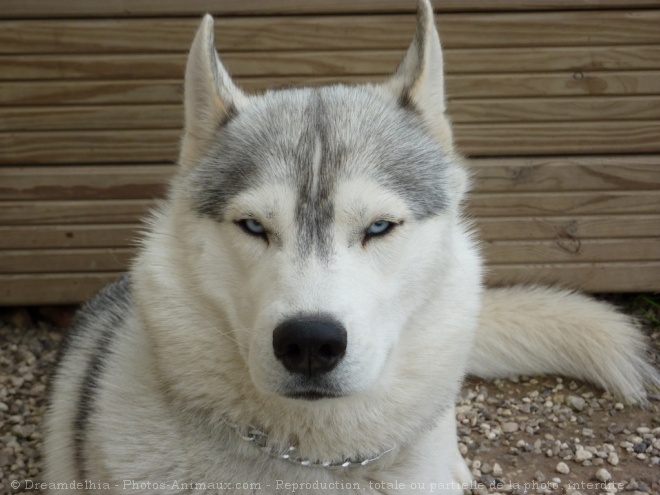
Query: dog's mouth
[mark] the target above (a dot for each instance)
(313, 395)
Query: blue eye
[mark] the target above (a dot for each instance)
(252, 227)
(379, 228)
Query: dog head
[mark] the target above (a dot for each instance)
(318, 228)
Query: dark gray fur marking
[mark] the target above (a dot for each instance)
(103, 314)
(274, 140)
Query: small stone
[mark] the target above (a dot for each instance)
(640, 447)
(583, 455)
(563, 468)
(643, 487)
(497, 470)
(577, 403)
(510, 427)
(540, 477)
(613, 458)
(632, 485)
(603, 475)
(486, 468)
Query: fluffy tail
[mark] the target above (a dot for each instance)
(539, 330)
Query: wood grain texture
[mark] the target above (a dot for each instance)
(576, 83)
(462, 111)
(89, 147)
(571, 250)
(563, 203)
(65, 260)
(38, 118)
(339, 63)
(327, 32)
(557, 102)
(551, 228)
(162, 145)
(627, 276)
(614, 83)
(567, 173)
(52, 288)
(330, 32)
(568, 227)
(17, 9)
(22, 213)
(557, 109)
(85, 182)
(69, 236)
(534, 174)
(540, 204)
(556, 138)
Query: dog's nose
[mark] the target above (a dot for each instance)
(310, 346)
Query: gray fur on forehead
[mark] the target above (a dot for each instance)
(359, 132)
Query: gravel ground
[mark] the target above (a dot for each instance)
(526, 435)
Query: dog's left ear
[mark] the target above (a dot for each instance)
(418, 83)
(211, 97)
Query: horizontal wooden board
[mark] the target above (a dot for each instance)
(561, 84)
(563, 203)
(37, 118)
(557, 138)
(458, 87)
(16, 9)
(162, 145)
(480, 205)
(488, 229)
(339, 63)
(330, 32)
(566, 173)
(627, 276)
(67, 288)
(52, 288)
(73, 212)
(69, 236)
(156, 66)
(569, 250)
(85, 182)
(576, 173)
(462, 111)
(89, 147)
(65, 260)
(568, 227)
(558, 109)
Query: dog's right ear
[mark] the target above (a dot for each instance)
(418, 83)
(211, 97)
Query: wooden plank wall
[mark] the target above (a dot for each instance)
(556, 102)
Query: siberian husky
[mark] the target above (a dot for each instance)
(307, 302)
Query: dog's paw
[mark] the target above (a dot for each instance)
(460, 472)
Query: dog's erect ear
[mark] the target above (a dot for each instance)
(211, 98)
(418, 83)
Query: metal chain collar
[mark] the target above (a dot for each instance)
(260, 439)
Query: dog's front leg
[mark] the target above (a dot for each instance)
(431, 464)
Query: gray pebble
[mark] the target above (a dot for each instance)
(603, 475)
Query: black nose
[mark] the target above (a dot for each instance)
(310, 346)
